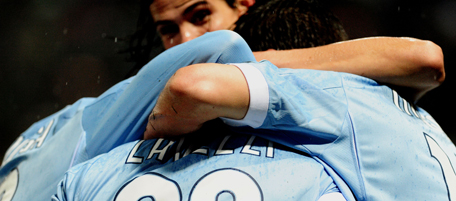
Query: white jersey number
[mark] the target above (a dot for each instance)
(231, 184)
(9, 185)
(445, 163)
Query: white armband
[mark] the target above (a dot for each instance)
(259, 98)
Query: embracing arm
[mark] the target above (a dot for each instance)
(199, 93)
(403, 63)
(196, 94)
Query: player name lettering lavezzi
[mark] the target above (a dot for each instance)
(162, 149)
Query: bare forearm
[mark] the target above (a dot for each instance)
(412, 64)
(196, 94)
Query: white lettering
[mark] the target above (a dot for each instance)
(270, 150)
(406, 107)
(414, 112)
(396, 100)
(231, 184)
(27, 146)
(179, 147)
(411, 111)
(151, 186)
(220, 150)
(41, 139)
(203, 151)
(161, 152)
(445, 163)
(132, 158)
(247, 148)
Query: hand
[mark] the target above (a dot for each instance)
(173, 115)
(161, 124)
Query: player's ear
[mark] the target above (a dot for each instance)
(244, 5)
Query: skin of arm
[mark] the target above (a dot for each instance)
(196, 94)
(411, 66)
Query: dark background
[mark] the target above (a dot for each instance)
(53, 52)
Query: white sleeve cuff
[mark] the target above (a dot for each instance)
(259, 98)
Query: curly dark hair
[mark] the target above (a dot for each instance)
(290, 24)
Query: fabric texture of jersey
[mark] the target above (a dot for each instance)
(364, 133)
(230, 167)
(104, 176)
(38, 159)
(125, 120)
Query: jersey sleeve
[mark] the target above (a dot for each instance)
(300, 102)
(126, 119)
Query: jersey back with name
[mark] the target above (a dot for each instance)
(380, 145)
(36, 161)
(229, 167)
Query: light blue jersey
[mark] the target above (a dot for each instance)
(242, 163)
(46, 148)
(364, 133)
(38, 159)
(230, 167)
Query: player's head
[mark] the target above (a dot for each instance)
(189, 19)
(288, 24)
(179, 21)
(145, 43)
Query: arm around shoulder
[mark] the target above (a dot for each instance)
(411, 64)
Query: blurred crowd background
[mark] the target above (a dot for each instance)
(53, 52)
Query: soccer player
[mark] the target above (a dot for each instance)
(367, 136)
(94, 126)
(183, 20)
(83, 179)
(238, 157)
